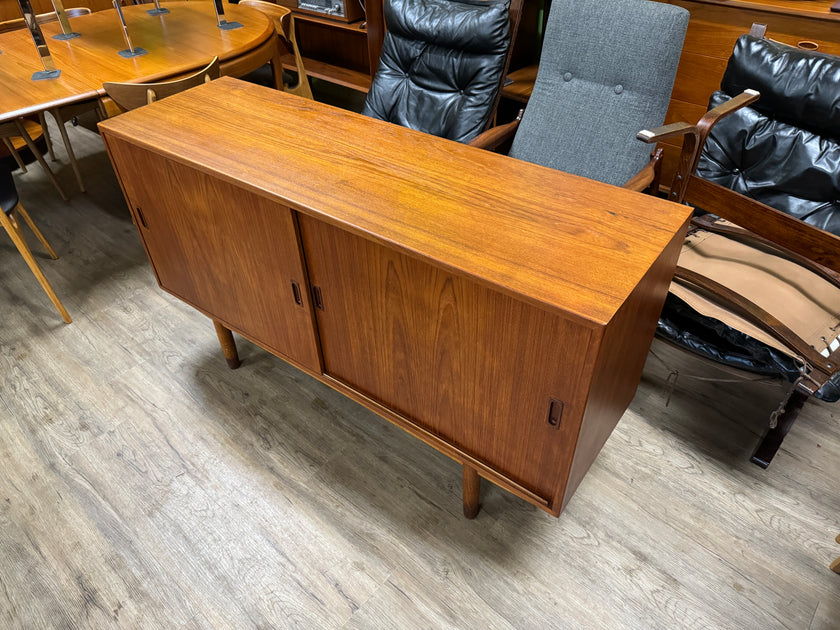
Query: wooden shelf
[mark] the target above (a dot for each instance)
(359, 26)
(522, 84)
(352, 79)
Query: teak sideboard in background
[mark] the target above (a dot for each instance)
(498, 310)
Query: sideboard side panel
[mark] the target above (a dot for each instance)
(621, 356)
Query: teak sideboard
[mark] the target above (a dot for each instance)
(498, 310)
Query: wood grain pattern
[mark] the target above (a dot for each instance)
(180, 42)
(231, 248)
(441, 351)
(422, 204)
(144, 484)
(486, 370)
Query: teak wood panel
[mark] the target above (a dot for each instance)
(541, 235)
(228, 252)
(618, 366)
(472, 366)
(451, 307)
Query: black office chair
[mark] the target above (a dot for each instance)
(763, 295)
(442, 65)
(11, 208)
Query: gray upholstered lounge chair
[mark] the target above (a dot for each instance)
(606, 72)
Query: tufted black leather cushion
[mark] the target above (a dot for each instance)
(799, 87)
(441, 65)
(784, 150)
(8, 192)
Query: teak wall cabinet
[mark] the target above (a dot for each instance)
(497, 310)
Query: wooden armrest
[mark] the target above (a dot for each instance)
(694, 138)
(496, 136)
(666, 131)
(822, 368)
(648, 177)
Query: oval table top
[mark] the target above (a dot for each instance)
(179, 42)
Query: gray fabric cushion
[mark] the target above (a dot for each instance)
(441, 65)
(606, 72)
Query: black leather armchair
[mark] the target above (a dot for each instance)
(763, 295)
(442, 65)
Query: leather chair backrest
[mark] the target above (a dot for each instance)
(784, 150)
(606, 72)
(441, 65)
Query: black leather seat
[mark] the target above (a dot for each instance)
(442, 65)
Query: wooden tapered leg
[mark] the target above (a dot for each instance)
(228, 345)
(835, 566)
(13, 229)
(29, 143)
(13, 152)
(472, 489)
(773, 438)
(22, 211)
(62, 129)
(42, 120)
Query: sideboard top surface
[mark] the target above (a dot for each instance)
(553, 239)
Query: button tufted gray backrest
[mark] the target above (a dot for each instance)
(606, 72)
(441, 65)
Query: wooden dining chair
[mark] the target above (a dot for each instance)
(11, 208)
(284, 24)
(42, 18)
(128, 96)
(24, 129)
(61, 114)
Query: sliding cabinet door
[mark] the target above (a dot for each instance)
(499, 379)
(230, 253)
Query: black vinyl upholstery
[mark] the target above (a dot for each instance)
(783, 151)
(8, 191)
(441, 65)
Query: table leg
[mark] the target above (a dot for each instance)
(228, 345)
(472, 489)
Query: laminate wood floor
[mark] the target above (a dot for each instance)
(143, 484)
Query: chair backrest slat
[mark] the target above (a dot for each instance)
(133, 95)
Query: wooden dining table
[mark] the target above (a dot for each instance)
(177, 43)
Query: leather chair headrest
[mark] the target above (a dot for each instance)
(475, 26)
(799, 87)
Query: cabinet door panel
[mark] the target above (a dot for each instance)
(228, 252)
(473, 366)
